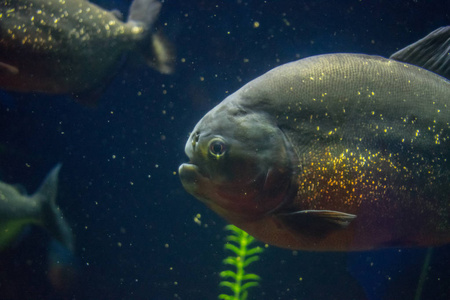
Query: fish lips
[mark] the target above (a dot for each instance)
(190, 177)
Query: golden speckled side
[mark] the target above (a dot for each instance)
(41, 23)
(371, 136)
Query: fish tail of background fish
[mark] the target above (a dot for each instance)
(51, 216)
(155, 48)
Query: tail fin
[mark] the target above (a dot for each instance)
(162, 54)
(144, 12)
(51, 216)
(155, 48)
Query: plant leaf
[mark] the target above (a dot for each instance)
(232, 285)
(232, 248)
(254, 251)
(233, 238)
(251, 276)
(251, 259)
(248, 285)
(250, 239)
(244, 295)
(228, 273)
(233, 228)
(230, 261)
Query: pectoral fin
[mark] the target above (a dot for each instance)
(317, 223)
(8, 69)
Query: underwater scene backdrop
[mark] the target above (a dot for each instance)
(138, 234)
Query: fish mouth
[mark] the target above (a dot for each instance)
(190, 177)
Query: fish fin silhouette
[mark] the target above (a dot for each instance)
(51, 216)
(9, 69)
(162, 54)
(431, 52)
(117, 13)
(156, 49)
(144, 12)
(317, 223)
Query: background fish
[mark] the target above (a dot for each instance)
(73, 46)
(18, 210)
(333, 152)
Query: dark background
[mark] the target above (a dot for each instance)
(134, 224)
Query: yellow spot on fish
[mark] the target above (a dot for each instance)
(436, 139)
(136, 29)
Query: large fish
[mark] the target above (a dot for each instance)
(18, 210)
(73, 46)
(334, 152)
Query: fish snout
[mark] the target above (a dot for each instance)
(189, 176)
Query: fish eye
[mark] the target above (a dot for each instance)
(217, 148)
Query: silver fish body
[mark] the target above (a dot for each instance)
(330, 153)
(68, 46)
(17, 209)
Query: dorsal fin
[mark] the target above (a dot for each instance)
(431, 52)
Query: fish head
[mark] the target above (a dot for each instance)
(240, 163)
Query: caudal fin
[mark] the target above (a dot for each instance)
(51, 216)
(156, 49)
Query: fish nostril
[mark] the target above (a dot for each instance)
(195, 138)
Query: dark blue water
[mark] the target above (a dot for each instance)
(133, 223)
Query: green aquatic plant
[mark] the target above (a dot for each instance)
(239, 242)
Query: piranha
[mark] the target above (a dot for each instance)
(336, 152)
(74, 46)
(18, 210)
